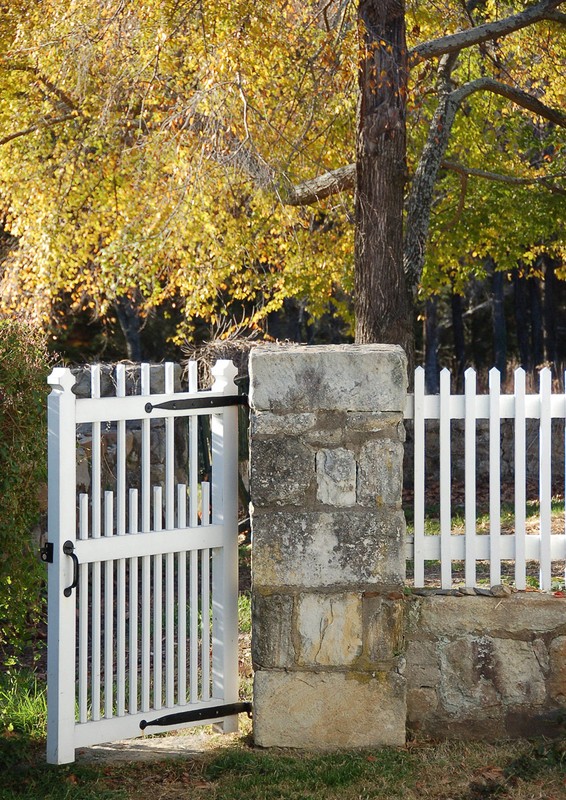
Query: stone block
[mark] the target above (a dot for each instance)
(518, 675)
(329, 710)
(281, 471)
(318, 549)
(272, 640)
(297, 379)
(329, 629)
(380, 474)
(383, 627)
(521, 614)
(375, 422)
(423, 667)
(421, 703)
(465, 683)
(336, 477)
(263, 423)
(557, 679)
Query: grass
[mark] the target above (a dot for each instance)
(422, 771)
(507, 516)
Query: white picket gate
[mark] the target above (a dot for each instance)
(520, 546)
(142, 579)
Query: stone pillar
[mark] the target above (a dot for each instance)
(328, 561)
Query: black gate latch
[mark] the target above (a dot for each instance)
(46, 553)
(199, 714)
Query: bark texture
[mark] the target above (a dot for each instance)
(382, 305)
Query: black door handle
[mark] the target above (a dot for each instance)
(69, 550)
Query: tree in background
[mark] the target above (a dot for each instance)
(163, 157)
(24, 366)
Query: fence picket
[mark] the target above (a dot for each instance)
(545, 491)
(494, 477)
(470, 476)
(146, 560)
(133, 605)
(121, 500)
(205, 598)
(182, 600)
(83, 614)
(170, 557)
(157, 603)
(419, 476)
(445, 483)
(96, 510)
(520, 480)
(108, 611)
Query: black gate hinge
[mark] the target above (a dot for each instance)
(200, 714)
(200, 402)
(46, 553)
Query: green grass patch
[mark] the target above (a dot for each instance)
(23, 704)
(507, 517)
(519, 770)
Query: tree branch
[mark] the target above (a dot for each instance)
(309, 192)
(544, 180)
(483, 33)
(45, 123)
(517, 96)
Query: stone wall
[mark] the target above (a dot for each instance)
(344, 654)
(328, 563)
(486, 667)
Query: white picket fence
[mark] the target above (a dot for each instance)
(521, 546)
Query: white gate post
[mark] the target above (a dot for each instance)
(225, 560)
(61, 609)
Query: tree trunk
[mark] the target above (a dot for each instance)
(549, 307)
(383, 311)
(459, 338)
(536, 322)
(499, 326)
(432, 371)
(521, 319)
(130, 323)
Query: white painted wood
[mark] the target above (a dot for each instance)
(225, 560)
(182, 599)
(157, 599)
(470, 477)
(108, 610)
(520, 480)
(545, 478)
(83, 615)
(121, 507)
(445, 481)
(133, 407)
(494, 477)
(194, 626)
(169, 558)
(62, 526)
(133, 564)
(419, 476)
(532, 547)
(146, 562)
(205, 595)
(139, 647)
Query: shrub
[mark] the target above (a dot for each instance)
(24, 365)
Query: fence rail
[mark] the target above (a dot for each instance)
(521, 546)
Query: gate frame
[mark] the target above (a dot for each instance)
(65, 411)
